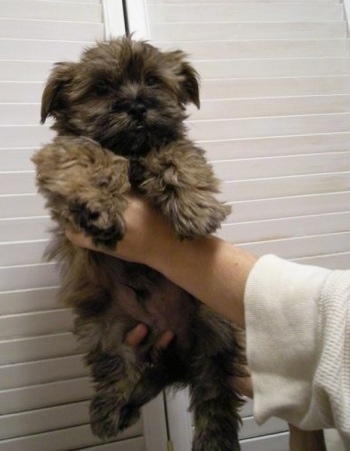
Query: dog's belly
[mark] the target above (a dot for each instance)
(140, 294)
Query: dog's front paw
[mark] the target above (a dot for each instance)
(104, 225)
(108, 419)
(195, 216)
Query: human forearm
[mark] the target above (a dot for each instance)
(211, 269)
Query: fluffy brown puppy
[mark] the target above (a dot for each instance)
(119, 113)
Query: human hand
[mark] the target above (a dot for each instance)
(147, 234)
(136, 336)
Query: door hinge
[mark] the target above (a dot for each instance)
(170, 446)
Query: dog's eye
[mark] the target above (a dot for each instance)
(102, 88)
(152, 80)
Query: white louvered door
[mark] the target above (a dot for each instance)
(44, 387)
(274, 121)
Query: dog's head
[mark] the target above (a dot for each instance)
(125, 94)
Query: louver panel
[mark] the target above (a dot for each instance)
(274, 121)
(44, 385)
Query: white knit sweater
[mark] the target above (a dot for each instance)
(298, 344)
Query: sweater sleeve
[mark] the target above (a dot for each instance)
(298, 343)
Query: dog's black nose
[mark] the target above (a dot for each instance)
(137, 110)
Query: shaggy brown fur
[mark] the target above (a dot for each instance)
(119, 115)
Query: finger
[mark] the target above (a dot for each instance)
(246, 387)
(161, 344)
(135, 337)
(79, 238)
(164, 340)
(244, 384)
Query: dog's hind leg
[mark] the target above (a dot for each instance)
(215, 407)
(168, 370)
(114, 378)
(215, 399)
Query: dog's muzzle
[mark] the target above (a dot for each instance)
(137, 110)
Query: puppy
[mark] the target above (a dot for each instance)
(119, 116)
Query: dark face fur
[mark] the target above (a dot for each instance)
(125, 94)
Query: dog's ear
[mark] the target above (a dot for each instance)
(186, 75)
(190, 84)
(52, 99)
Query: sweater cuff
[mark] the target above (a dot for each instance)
(281, 314)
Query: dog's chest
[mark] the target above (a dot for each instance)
(136, 171)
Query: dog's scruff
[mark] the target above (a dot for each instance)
(119, 113)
